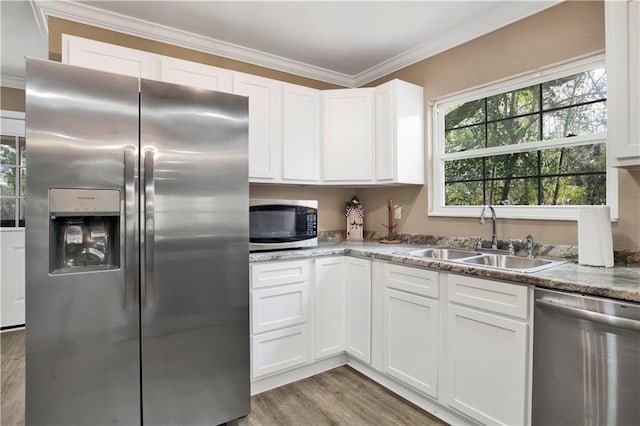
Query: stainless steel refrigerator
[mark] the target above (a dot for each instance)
(137, 305)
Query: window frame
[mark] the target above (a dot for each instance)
(12, 123)
(436, 206)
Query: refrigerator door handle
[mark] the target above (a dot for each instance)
(131, 242)
(149, 230)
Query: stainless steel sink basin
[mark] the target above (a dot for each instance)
(512, 263)
(443, 254)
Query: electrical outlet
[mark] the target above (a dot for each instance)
(397, 212)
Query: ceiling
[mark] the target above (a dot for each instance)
(346, 42)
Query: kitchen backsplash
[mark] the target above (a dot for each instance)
(564, 251)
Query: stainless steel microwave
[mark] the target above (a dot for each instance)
(282, 224)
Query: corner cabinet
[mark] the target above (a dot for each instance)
(358, 300)
(622, 30)
(328, 307)
(399, 140)
(348, 119)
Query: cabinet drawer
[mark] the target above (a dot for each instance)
(495, 296)
(279, 350)
(279, 307)
(412, 280)
(279, 273)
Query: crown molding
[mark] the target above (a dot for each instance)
(89, 15)
(136, 27)
(11, 81)
(454, 37)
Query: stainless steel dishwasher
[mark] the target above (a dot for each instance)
(586, 360)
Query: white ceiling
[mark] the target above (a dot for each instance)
(345, 42)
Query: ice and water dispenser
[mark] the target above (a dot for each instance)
(84, 230)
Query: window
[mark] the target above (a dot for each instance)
(535, 146)
(12, 176)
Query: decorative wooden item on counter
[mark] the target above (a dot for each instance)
(355, 219)
(390, 226)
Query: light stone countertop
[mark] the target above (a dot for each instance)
(618, 282)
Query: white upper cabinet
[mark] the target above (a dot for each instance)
(197, 75)
(348, 116)
(265, 115)
(622, 23)
(300, 134)
(108, 57)
(399, 140)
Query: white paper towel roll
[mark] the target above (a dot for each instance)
(595, 243)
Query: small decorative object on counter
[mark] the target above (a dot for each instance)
(390, 226)
(355, 219)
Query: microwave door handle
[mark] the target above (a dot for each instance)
(131, 242)
(149, 230)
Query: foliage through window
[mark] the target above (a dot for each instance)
(543, 144)
(12, 180)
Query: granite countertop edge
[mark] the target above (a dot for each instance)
(621, 283)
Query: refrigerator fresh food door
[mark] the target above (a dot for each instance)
(82, 314)
(194, 283)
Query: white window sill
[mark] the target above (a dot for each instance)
(569, 213)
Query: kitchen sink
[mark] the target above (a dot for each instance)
(512, 263)
(443, 253)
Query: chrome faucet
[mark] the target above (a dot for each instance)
(494, 237)
(530, 246)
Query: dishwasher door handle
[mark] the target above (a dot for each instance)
(626, 323)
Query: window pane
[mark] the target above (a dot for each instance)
(574, 159)
(468, 169)
(8, 150)
(580, 120)
(513, 131)
(464, 114)
(516, 191)
(23, 181)
(7, 181)
(7, 211)
(575, 89)
(463, 194)
(464, 139)
(517, 102)
(575, 190)
(23, 151)
(512, 165)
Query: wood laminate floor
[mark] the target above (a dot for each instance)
(341, 396)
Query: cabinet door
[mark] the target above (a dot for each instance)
(329, 313)
(12, 275)
(358, 286)
(348, 135)
(385, 133)
(264, 125)
(486, 366)
(411, 340)
(279, 350)
(108, 57)
(197, 75)
(300, 133)
(622, 25)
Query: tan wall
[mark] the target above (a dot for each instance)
(11, 99)
(562, 32)
(565, 31)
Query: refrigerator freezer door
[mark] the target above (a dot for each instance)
(195, 303)
(82, 340)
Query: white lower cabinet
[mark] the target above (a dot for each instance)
(358, 300)
(328, 307)
(280, 337)
(487, 362)
(12, 276)
(411, 327)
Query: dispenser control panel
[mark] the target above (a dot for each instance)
(83, 202)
